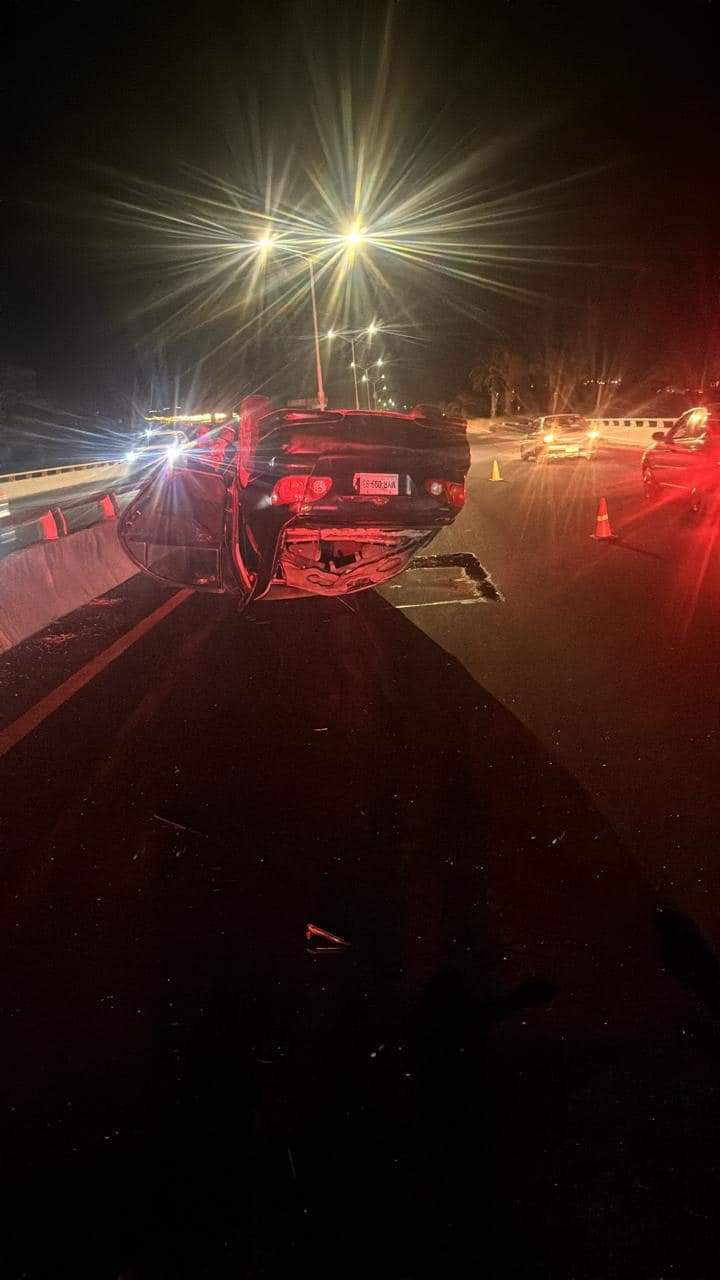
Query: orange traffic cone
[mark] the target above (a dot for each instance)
(495, 471)
(48, 527)
(602, 523)
(108, 507)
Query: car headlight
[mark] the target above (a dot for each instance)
(172, 452)
(130, 456)
(549, 437)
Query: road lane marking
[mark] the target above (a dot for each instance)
(20, 728)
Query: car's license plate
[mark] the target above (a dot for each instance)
(376, 482)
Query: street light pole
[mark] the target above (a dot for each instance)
(371, 329)
(318, 363)
(353, 364)
(354, 369)
(267, 243)
(351, 338)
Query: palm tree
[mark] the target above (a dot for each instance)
(501, 375)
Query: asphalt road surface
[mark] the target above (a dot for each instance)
(504, 809)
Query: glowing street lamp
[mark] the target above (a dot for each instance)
(354, 237)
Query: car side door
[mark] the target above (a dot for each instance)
(178, 528)
(674, 458)
(704, 472)
(532, 438)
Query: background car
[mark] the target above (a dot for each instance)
(432, 411)
(559, 435)
(516, 422)
(156, 446)
(312, 503)
(685, 458)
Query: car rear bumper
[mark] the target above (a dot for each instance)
(554, 451)
(557, 452)
(338, 561)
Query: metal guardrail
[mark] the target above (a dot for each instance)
(60, 520)
(658, 424)
(39, 473)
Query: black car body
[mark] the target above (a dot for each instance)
(306, 503)
(686, 458)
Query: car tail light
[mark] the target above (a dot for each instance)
(453, 493)
(294, 490)
(549, 437)
(456, 494)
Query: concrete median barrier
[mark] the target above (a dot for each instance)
(45, 581)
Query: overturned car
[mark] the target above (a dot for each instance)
(296, 503)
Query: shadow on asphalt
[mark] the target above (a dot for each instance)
(495, 1073)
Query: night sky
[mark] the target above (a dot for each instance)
(609, 116)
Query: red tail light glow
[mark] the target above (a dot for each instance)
(453, 493)
(292, 491)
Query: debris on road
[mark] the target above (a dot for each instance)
(57, 638)
(483, 585)
(336, 943)
(179, 826)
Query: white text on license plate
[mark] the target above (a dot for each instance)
(376, 482)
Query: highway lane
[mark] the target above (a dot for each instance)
(517, 1040)
(609, 653)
